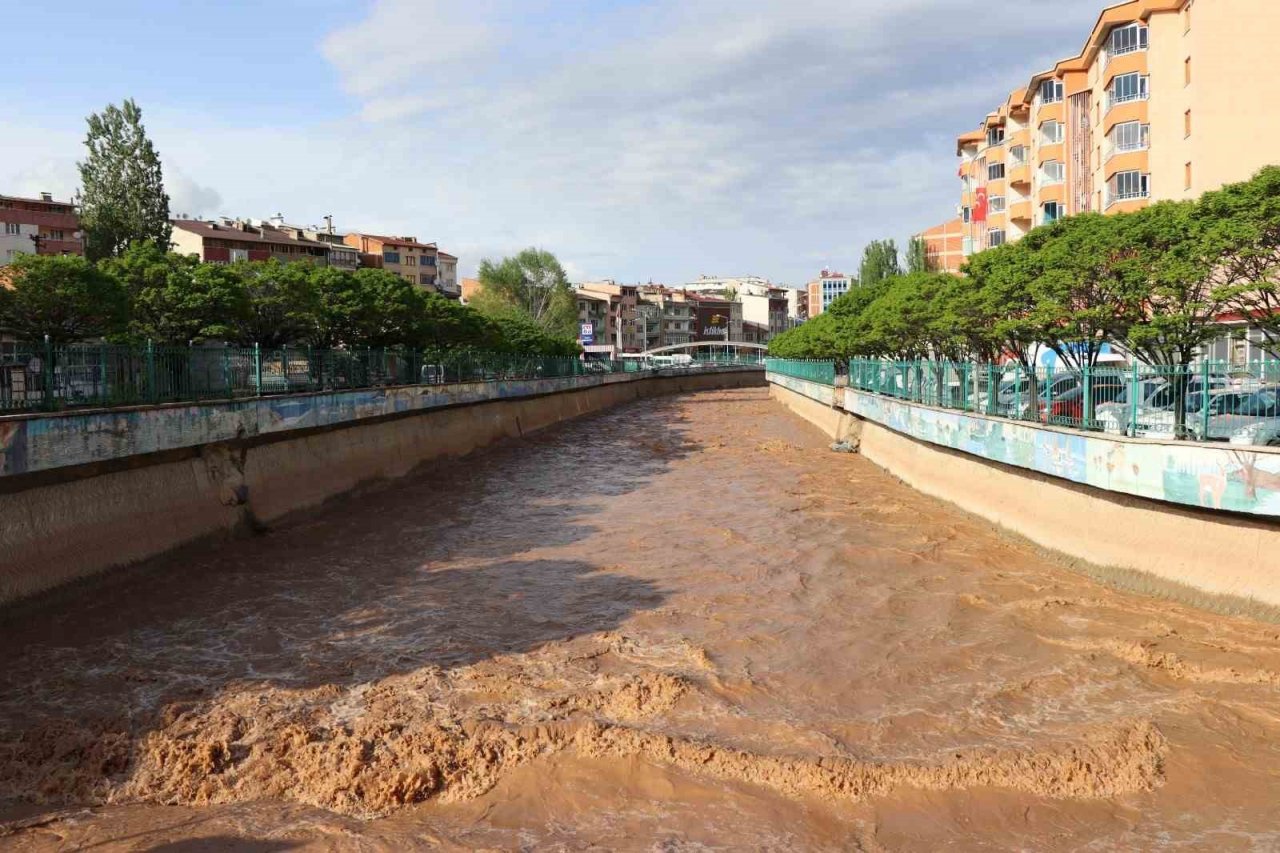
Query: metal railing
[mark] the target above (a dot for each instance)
(45, 377)
(1206, 401)
(812, 370)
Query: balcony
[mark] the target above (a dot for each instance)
(1020, 210)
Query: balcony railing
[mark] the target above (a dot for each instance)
(1128, 195)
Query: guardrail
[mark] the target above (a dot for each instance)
(1208, 401)
(813, 370)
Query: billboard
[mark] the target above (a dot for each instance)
(587, 334)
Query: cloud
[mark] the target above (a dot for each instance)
(676, 134)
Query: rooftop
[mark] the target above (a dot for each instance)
(243, 231)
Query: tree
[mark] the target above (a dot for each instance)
(176, 299)
(122, 195)
(917, 256)
(284, 302)
(532, 284)
(879, 261)
(1240, 224)
(64, 297)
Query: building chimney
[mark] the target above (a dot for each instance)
(328, 223)
(46, 196)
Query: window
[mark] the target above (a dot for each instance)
(391, 257)
(1186, 72)
(1051, 133)
(1127, 39)
(1052, 212)
(1053, 172)
(1186, 19)
(1128, 87)
(995, 171)
(964, 215)
(1051, 91)
(1018, 155)
(995, 237)
(12, 228)
(1187, 177)
(1186, 124)
(410, 261)
(996, 204)
(1129, 185)
(995, 135)
(56, 235)
(1130, 136)
(428, 261)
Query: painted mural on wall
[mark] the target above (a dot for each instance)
(814, 390)
(38, 443)
(1217, 476)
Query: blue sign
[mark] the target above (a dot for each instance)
(587, 334)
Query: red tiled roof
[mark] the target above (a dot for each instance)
(394, 241)
(253, 234)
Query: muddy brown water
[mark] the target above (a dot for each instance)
(681, 624)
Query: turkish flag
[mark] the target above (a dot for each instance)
(979, 213)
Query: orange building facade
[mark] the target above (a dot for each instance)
(944, 246)
(1165, 101)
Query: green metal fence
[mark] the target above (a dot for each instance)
(1213, 401)
(44, 377)
(820, 371)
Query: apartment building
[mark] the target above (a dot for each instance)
(1167, 99)
(38, 226)
(944, 246)
(716, 318)
(227, 240)
(447, 275)
(623, 328)
(675, 312)
(717, 284)
(340, 255)
(594, 323)
(766, 310)
(405, 256)
(829, 286)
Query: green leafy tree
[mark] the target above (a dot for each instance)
(917, 256)
(879, 261)
(1240, 226)
(64, 297)
(284, 302)
(176, 299)
(122, 186)
(532, 284)
(392, 311)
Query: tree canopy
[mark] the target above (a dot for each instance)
(531, 285)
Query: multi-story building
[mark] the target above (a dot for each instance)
(447, 275)
(716, 318)
(797, 305)
(767, 310)
(42, 226)
(405, 256)
(340, 255)
(228, 240)
(1165, 101)
(741, 284)
(944, 246)
(829, 286)
(623, 329)
(675, 311)
(594, 323)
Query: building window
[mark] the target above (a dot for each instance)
(995, 171)
(1018, 155)
(428, 261)
(1051, 133)
(1129, 136)
(1128, 87)
(1186, 72)
(12, 228)
(1053, 172)
(1127, 39)
(964, 215)
(410, 261)
(995, 135)
(995, 237)
(1052, 212)
(996, 204)
(1187, 177)
(1126, 186)
(1186, 124)
(391, 257)
(1051, 91)
(1186, 19)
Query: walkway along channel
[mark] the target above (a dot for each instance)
(1201, 517)
(85, 491)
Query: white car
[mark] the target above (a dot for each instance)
(1231, 411)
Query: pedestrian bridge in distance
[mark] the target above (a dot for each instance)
(740, 347)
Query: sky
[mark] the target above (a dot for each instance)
(639, 140)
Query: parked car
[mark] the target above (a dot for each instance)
(1068, 408)
(1231, 410)
(1113, 416)
(1156, 409)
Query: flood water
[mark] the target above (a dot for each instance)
(680, 624)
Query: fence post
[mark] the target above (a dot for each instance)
(191, 385)
(153, 391)
(257, 369)
(1133, 400)
(1204, 395)
(47, 374)
(102, 372)
(1086, 411)
(226, 370)
(991, 390)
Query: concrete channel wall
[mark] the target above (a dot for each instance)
(171, 475)
(1104, 522)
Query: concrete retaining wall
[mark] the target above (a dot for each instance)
(80, 520)
(1216, 552)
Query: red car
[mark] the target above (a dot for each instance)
(1068, 408)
